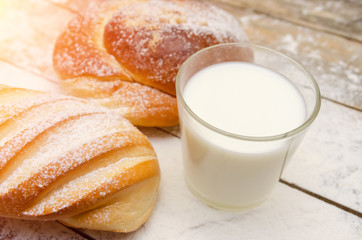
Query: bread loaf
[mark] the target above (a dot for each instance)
(125, 54)
(64, 159)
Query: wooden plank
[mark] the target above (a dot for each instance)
(28, 30)
(343, 18)
(76, 6)
(334, 61)
(17, 77)
(16, 229)
(328, 161)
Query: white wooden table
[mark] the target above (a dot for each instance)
(319, 195)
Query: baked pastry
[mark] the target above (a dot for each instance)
(64, 159)
(126, 54)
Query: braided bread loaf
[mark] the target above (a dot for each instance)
(62, 158)
(126, 54)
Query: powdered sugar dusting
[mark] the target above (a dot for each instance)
(12, 109)
(48, 137)
(7, 97)
(154, 38)
(81, 187)
(79, 155)
(132, 100)
(46, 112)
(21, 135)
(195, 17)
(80, 56)
(62, 139)
(134, 94)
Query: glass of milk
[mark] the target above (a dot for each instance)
(243, 112)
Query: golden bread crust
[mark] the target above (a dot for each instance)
(61, 157)
(142, 43)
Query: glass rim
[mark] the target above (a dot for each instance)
(281, 136)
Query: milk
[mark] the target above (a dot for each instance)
(244, 99)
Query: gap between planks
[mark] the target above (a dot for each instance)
(78, 231)
(62, 6)
(301, 23)
(28, 70)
